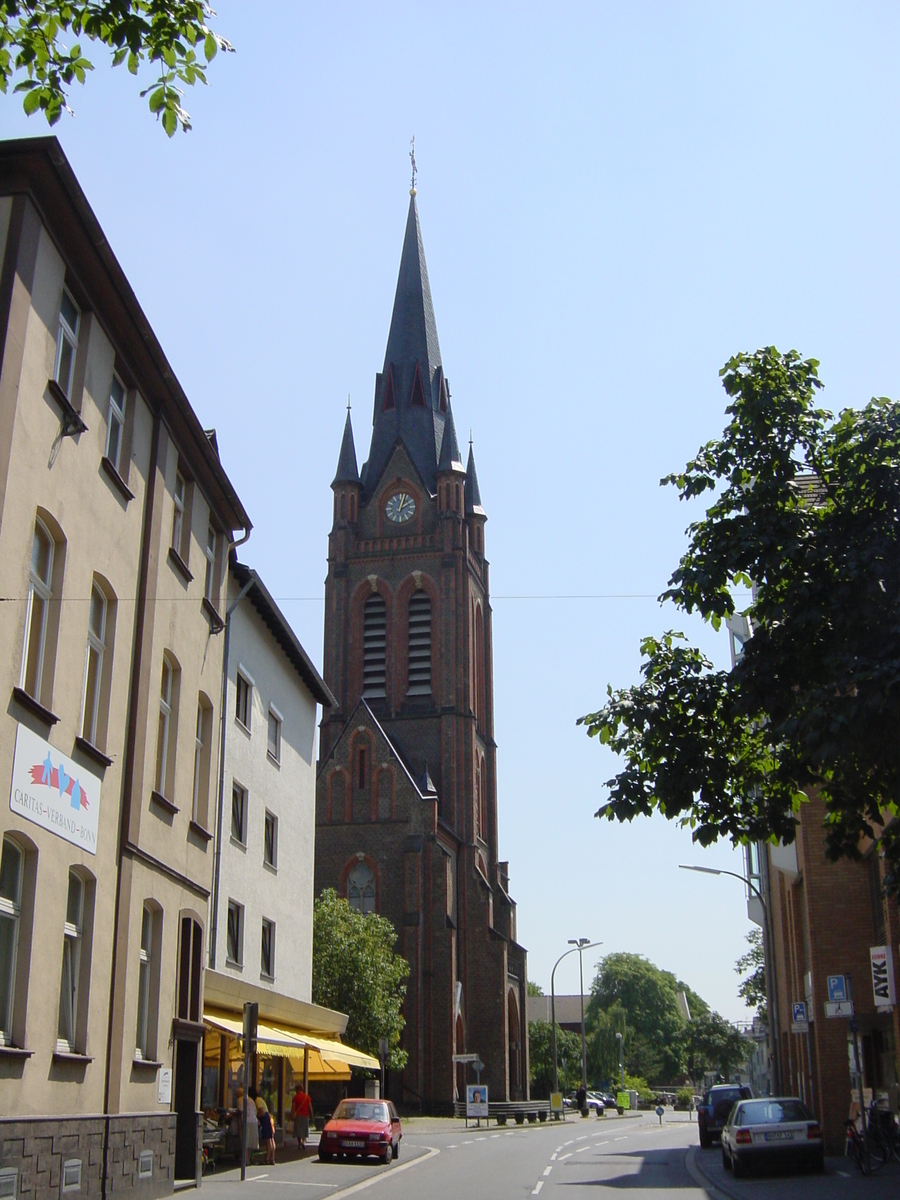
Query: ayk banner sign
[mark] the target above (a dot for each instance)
(54, 792)
(882, 976)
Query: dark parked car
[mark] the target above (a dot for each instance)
(777, 1130)
(361, 1128)
(713, 1112)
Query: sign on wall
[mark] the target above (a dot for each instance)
(799, 1019)
(882, 977)
(54, 792)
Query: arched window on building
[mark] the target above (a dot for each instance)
(419, 644)
(482, 803)
(374, 646)
(361, 888)
(479, 667)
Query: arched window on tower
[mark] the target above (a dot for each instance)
(361, 888)
(482, 803)
(419, 644)
(479, 667)
(374, 646)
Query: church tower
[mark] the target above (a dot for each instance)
(406, 808)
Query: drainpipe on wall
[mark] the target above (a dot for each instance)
(214, 916)
(771, 975)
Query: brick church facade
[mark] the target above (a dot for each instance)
(406, 801)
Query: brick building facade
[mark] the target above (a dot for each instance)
(826, 917)
(406, 802)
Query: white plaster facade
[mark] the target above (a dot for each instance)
(264, 654)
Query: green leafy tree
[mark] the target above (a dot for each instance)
(804, 517)
(752, 969)
(36, 50)
(534, 989)
(713, 1044)
(602, 1043)
(540, 1055)
(648, 997)
(356, 971)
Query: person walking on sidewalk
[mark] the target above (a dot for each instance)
(301, 1111)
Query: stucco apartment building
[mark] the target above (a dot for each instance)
(116, 519)
(261, 911)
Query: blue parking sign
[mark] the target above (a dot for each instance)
(837, 989)
(799, 1011)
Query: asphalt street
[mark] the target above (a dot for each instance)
(575, 1160)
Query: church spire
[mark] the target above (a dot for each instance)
(473, 495)
(347, 471)
(409, 404)
(450, 459)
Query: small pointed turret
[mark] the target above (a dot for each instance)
(451, 459)
(426, 783)
(347, 471)
(473, 495)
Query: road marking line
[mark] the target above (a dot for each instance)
(453, 1146)
(553, 1156)
(622, 1138)
(387, 1173)
(493, 1135)
(606, 1143)
(290, 1182)
(578, 1139)
(470, 1142)
(569, 1155)
(569, 1142)
(534, 1191)
(582, 1150)
(547, 1171)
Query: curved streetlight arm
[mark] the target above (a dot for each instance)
(734, 875)
(590, 946)
(768, 937)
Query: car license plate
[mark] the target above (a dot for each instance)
(780, 1135)
(353, 1143)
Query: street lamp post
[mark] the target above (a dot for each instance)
(575, 947)
(579, 944)
(621, 1042)
(771, 997)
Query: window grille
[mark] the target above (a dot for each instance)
(419, 644)
(374, 646)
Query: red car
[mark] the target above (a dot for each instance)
(362, 1128)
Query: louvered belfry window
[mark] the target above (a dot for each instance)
(419, 644)
(374, 646)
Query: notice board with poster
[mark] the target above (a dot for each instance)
(476, 1100)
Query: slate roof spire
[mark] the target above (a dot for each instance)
(413, 414)
(473, 495)
(347, 471)
(450, 459)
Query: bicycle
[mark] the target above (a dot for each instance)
(872, 1157)
(883, 1132)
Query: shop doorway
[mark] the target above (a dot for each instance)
(185, 1109)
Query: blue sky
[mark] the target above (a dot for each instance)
(614, 199)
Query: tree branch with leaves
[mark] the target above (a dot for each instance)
(806, 517)
(174, 34)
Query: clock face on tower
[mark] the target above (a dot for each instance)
(400, 508)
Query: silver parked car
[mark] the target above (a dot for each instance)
(774, 1130)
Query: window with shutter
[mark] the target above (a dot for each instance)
(419, 644)
(374, 646)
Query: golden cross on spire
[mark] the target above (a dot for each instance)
(412, 159)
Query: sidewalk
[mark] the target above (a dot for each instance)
(841, 1181)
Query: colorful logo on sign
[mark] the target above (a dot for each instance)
(47, 775)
